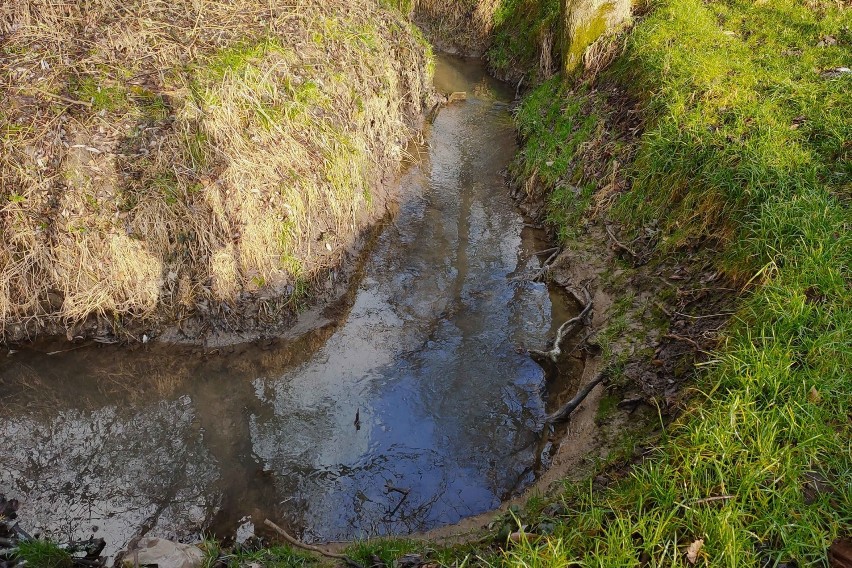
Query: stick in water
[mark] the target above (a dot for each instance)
(564, 412)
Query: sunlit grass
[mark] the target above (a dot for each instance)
(151, 173)
(746, 153)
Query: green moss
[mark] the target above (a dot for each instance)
(583, 36)
(166, 184)
(238, 58)
(196, 144)
(607, 405)
(404, 6)
(102, 97)
(152, 105)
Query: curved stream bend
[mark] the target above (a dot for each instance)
(170, 442)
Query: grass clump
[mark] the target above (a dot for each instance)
(744, 122)
(153, 157)
(523, 43)
(272, 557)
(387, 551)
(555, 127)
(744, 153)
(43, 554)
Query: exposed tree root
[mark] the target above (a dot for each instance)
(564, 330)
(565, 412)
(299, 544)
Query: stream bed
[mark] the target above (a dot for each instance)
(416, 409)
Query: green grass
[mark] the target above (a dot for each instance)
(553, 126)
(272, 557)
(388, 550)
(101, 97)
(518, 29)
(746, 153)
(404, 6)
(43, 554)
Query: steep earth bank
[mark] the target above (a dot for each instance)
(208, 164)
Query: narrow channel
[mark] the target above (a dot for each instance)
(174, 442)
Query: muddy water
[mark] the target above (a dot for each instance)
(415, 409)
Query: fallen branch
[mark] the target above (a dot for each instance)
(548, 264)
(299, 544)
(564, 330)
(563, 413)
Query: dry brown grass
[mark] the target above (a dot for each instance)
(464, 24)
(157, 156)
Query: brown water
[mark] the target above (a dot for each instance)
(171, 441)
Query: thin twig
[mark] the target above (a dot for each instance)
(61, 98)
(67, 350)
(398, 505)
(545, 251)
(720, 315)
(712, 499)
(546, 266)
(619, 244)
(683, 338)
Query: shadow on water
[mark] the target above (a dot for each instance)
(417, 409)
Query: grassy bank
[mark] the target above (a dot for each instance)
(712, 130)
(165, 159)
(744, 154)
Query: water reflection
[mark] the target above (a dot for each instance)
(172, 442)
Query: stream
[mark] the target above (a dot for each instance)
(174, 441)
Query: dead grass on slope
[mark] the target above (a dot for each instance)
(159, 158)
(464, 25)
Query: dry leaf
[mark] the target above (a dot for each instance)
(814, 396)
(693, 550)
(519, 536)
